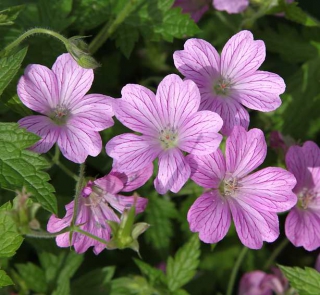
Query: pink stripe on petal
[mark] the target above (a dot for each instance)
(110, 184)
(173, 173)
(199, 134)
(210, 216)
(231, 6)
(73, 81)
(245, 151)
(241, 56)
(208, 170)
(43, 127)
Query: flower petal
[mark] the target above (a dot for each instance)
(95, 111)
(252, 283)
(132, 152)
(231, 6)
(241, 56)
(195, 8)
(208, 170)
(199, 134)
(269, 189)
(38, 89)
(73, 81)
(45, 128)
(174, 171)
(245, 151)
(120, 202)
(259, 91)
(110, 184)
(210, 216)
(302, 228)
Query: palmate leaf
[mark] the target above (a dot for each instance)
(21, 168)
(4, 279)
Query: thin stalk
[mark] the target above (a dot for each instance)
(66, 170)
(275, 253)
(79, 230)
(235, 270)
(45, 235)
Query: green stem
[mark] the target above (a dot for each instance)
(78, 230)
(275, 253)
(109, 28)
(32, 32)
(45, 235)
(236, 269)
(66, 170)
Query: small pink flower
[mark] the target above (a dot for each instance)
(303, 221)
(231, 6)
(194, 7)
(280, 142)
(232, 80)
(95, 208)
(68, 116)
(253, 200)
(170, 123)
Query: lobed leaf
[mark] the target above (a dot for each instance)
(4, 279)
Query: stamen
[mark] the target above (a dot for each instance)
(228, 187)
(305, 197)
(222, 86)
(168, 137)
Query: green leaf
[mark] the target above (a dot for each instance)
(154, 275)
(296, 14)
(5, 279)
(10, 239)
(131, 286)
(305, 281)
(9, 66)
(182, 268)
(7, 16)
(19, 167)
(159, 213)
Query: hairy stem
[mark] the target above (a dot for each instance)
(275, 253)
(80, 231)
(45, 235)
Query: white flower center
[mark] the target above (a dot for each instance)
(168, 138)
(60, 114)
(305, 197)
(228, 187)
(222, 86)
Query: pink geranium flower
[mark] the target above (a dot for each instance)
(68, 116)
(231, 6)
(170, 123)
(303, 221)
(95, 208)
(196, 8)
(233, 80)
(253, 200)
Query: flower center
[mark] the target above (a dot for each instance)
(168, 138)
(222, 86)
(93, 194)
(228, 187)
(305, 197)
(60, 115)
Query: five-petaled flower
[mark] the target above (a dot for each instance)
(303, 221)
(69, 117)
(95, 209)
(170, 123)
(232, 80)
(252, 200)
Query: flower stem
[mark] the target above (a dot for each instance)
(275, 253)
(66, 170)
(80, 231)
(45, 235)
(236, 269)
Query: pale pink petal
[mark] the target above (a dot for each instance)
(269, 189)
(241, 56)
(95, 111)
(311, 153)
(76, 143)
(176, 100)
(302, 228)
(210, 216)
(199, 134)
(245, 151)
(199, 61)
(132, 152)
(38, 89)
(259, 91)
(134, 180)
(195, 7)
(137, 110)
(174, 171)
(253, 227)
(209, 170)
(231, 6)
(251, 283)
(121, 203)
(109, 184)
(43, 127)
(73, 81)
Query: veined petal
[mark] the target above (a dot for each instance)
(269, 189)
(95, 111)
(73, 81)
(177, 100)
(45, 128)
(199, 134)
(241, 56)
(252, 283)
(210, 216)
(38, 89)
(120, 202)
(174, 171)
(132, 152)
(245, 151)
(109, 184)
(259, 91)
(302, 228)
(231, 6)
(207, 170)
(199, 61)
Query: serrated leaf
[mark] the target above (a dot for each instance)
(21, 168)
(305, 281)
(7, 16)
(296, 14)
(10, 239)
(131, 286)
(159, 213)
(126, 37)
(154, 275)
(182, 268)
(4, 279)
